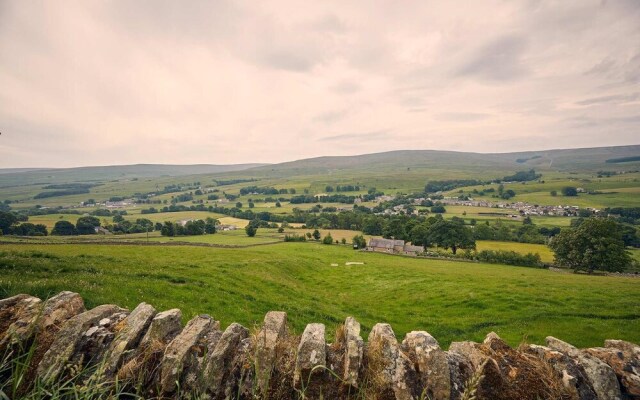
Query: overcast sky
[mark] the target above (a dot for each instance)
(122, 82)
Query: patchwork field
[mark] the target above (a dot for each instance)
(452, 300)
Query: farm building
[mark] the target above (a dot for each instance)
(392, 246)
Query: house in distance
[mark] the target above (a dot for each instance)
(393, 246)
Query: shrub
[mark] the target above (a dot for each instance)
(359, 242)
(509, 258)
(327, 239)
(295, 238)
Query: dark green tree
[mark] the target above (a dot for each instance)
(252, 228)
(316, 234)
(395, 228)
(6, 220)
(168, 229)
(451, 235)
(210, 225)
(419, 235)
(86, 225)
(359, 242)
(64, 228)
(372, 225)
(596, 244)
(569, 191)
(327, 239)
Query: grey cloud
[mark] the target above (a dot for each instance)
(329, 23)
(500, 60)
(603, 68)
(197, 20)
(591, 122)
(373, 135)
(330, 117)
(289, 60)
(631, 72)
(346, 87)
(616, 98)
(461, 116)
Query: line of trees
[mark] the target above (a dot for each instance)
(13, 224)
(190, 228)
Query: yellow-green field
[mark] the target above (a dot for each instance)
(546, 255)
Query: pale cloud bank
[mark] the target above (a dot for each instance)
(118, 82)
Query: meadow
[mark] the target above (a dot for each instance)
(452, 300)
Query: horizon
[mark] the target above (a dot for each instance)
(311, 158)
(223, 83)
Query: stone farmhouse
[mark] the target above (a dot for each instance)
(393, 246)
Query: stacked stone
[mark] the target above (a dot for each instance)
(153, 353)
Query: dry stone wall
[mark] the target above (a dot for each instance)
(149, 353)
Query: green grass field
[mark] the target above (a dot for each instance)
(451, 300)
(523, 248)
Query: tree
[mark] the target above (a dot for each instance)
(554, 193)
(596, 244)
(372, 225)
(193, 228)
(569, 191)
(327, 239)
(507, 194)
(395, 229)
(64, 228)
(238, 205)
(252, 228)
(451, 234)
(438, 209)
(210, 225)
(278, 204)
(419, 234)
(343, 241)
(29, 229)
(629, 236)
(316, 234)
(6, 220)
(87, 225)
(168, 229)
(359, 242)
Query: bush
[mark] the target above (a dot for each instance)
(359, 242)
(294, 238)
(251, 230)
(327, 239)
(509, 258)
(569, 191)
